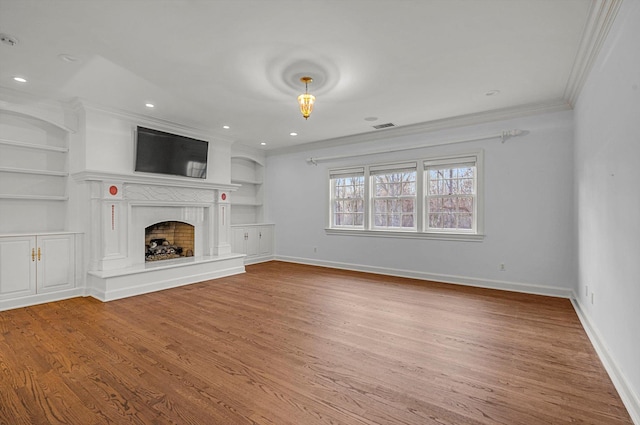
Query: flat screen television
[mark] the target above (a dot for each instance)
(165, 153)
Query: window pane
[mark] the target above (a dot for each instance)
(433, 187)
(381, 189)
(407, 205)
(451, 187)
(409, 188)
(435, 204)
(465, 221)
(448, 204)
(394, 198)
(466, 186)
(347, 193)
(435, 221)
(449, 221)
(465, 204)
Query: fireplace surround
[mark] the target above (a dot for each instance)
(121, 207)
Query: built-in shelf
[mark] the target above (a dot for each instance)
(246, 202)
(32, 171)
(33, 146)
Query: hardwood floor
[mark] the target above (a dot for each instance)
(292, 344)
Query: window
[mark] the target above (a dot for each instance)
(450, 194)
(347, 198)
(442, 199)
(394, 196)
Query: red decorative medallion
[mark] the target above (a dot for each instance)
(113, 190)
(224, 196)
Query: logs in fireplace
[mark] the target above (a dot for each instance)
(169, 239)
(161, 249)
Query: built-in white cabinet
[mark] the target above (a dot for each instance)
(36, 264)
(253, 240)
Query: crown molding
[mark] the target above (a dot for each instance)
(601, 17)
(555, 105)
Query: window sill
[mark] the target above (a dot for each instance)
(466, 237)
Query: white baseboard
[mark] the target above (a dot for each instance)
(527, 288)
(256, 260)
(628, 396)
(41, 298)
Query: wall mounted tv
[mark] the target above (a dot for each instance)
(166, 153)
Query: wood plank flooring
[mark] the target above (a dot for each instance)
(293, 344)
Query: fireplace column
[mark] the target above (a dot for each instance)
(109, 219)
(222, 224)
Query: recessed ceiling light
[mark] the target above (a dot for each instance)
(293, 134)
(226, 127)
(64, 57)
(149, 105)
(492, 92)
(264, 143)
(20, 79)
(371, 119)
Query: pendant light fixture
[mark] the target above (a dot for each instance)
(306, 100)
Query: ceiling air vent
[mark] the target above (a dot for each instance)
(379, 126)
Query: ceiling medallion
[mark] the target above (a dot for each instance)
(306, 100)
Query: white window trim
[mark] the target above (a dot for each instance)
(419, 232)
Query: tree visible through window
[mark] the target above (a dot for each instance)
(348, 200)
(450, 198)
(394, 198)
(444, 200)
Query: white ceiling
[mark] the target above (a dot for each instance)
(209, 63)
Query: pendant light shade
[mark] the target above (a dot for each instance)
(306, 100)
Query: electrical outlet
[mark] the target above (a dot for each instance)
(586, 290)
(503, 268)
(315, 249)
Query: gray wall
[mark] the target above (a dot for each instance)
(529, 217)
(607, 127)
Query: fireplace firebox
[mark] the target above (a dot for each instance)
(167, 240)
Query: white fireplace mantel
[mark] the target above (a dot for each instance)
(122, 206)
(153, 179)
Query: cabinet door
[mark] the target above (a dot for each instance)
(238, 240)
(266, 240)
(17, 266)
(55, 262)
(253, 241)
